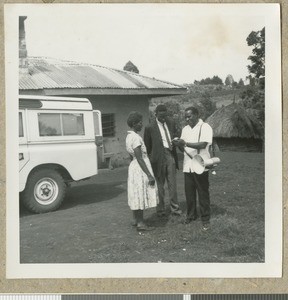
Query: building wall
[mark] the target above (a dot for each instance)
(121, 106)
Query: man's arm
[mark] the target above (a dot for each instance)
(198, 146)
(205, 138)
(181, 144)
(206, 135)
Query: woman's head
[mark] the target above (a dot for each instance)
(134, 120)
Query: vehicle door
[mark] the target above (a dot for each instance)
(98, 135)
(23, 146)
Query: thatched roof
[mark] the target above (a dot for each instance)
(233, 121)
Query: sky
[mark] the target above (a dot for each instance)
(177, 43)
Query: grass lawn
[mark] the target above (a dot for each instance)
(93, 225)
(237, 221)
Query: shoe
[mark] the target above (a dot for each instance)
(206, 226)
(190, 219)
(144, 228)
(177, 212)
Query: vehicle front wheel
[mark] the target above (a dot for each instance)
(44, 192)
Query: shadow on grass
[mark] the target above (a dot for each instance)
(93, 193)
(157, 222)
(86, 194)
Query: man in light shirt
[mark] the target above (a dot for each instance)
(158, 137)
(195, 139)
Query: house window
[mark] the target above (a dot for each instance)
(108, 125)
(57, 124)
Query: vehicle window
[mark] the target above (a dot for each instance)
(57, 124)
(49, 124)
(73, 124)
(21, 132)
(108, 125)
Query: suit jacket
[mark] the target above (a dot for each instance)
(154, 145)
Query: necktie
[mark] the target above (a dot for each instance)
(167, 137)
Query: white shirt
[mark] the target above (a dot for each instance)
(191, 135)
(164, 140)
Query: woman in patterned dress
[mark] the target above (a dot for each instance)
(142, 188)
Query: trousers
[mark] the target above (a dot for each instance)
(168, 173)
(197, 183)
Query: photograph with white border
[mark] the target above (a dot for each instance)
(86, 88)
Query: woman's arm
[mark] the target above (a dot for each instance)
(142, 164)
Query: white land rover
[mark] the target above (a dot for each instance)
(56, 146)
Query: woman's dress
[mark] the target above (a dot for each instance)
(141, 195)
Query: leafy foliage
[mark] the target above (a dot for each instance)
(206, 106)
(229, 80)
(253, 99)
(219, 95)
(256, 39)
(176, 109)
(240, 83)
(252, 80)
(177, 114)
(214, 80)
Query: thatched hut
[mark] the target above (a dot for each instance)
(234, 129)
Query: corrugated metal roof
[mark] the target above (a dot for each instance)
(47, 73)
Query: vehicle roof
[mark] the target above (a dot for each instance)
(36, 97)
(48, 102)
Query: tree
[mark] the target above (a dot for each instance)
(214, 80)
(217, 80)
(131, 67)
(241, 82)
(229, 80)
(253, 99)
(174, 111)
(206, 106)
(256, 39)
(251, 80)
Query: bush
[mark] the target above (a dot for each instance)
(253, 98)
(206, 106)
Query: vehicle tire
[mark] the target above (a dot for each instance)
(44, 192)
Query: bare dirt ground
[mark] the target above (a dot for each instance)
(94, 223)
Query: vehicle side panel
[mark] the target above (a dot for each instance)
(67, 154)
(76, 152)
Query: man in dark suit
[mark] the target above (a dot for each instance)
(158, 137)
